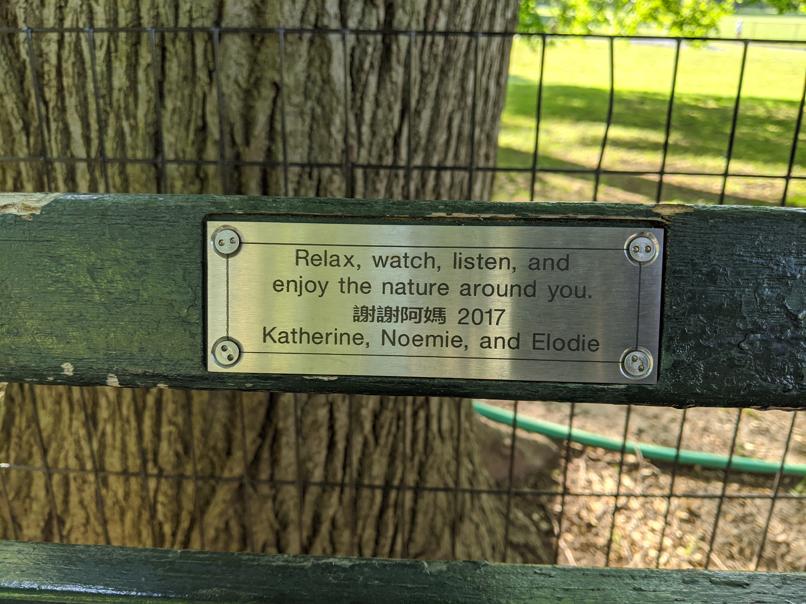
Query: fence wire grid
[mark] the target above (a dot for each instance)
(614, 483)
(158, 37)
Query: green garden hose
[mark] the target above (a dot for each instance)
(650, 451)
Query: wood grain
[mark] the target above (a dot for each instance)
(74, 573)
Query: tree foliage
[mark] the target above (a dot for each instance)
(780, 6)
(673, 17)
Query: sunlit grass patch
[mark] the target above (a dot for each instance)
(575, 98)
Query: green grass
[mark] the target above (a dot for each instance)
(575, 98)
(771, 27)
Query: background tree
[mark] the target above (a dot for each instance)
(675, 18)
(213, 96)
(779, 6)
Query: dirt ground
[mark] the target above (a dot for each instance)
(585, 517)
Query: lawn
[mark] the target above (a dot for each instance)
(575, 99)
(771, 27)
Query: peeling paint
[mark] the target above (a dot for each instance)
(672, 209)
(582, 217)
(472, 216)
(795, 303)
(67, 369)
(3, 386)
(324, 378)
(162, 386)
(112, 380)
(25, 205)
(436, 567)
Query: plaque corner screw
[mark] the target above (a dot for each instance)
(226, 352)
(637, 363)
(226, 241)
(642, 248)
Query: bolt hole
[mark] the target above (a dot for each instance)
(230, 357)
(224, 348)
(232, 240)
(221, 242)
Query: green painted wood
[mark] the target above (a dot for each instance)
(79, 573)
(108, 289)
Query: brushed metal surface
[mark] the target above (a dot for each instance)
(544, 303)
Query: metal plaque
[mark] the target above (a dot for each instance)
(532, 303)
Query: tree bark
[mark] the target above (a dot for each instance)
(231, 470)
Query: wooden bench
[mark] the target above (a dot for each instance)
(112, 287)
(109, 290)
(38, 572)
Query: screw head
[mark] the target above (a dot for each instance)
(642, 248)
(636, 363)
(226, 352)
(226, 241)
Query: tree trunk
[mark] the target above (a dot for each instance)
(231, 470)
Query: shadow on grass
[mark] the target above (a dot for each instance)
(644, 186)
(700, 124)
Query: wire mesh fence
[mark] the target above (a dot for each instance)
(586, 506)
(583, 505)
(158, 40)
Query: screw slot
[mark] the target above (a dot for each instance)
(226, 352)
(642, 248)
(636, 363)
(226, 241)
